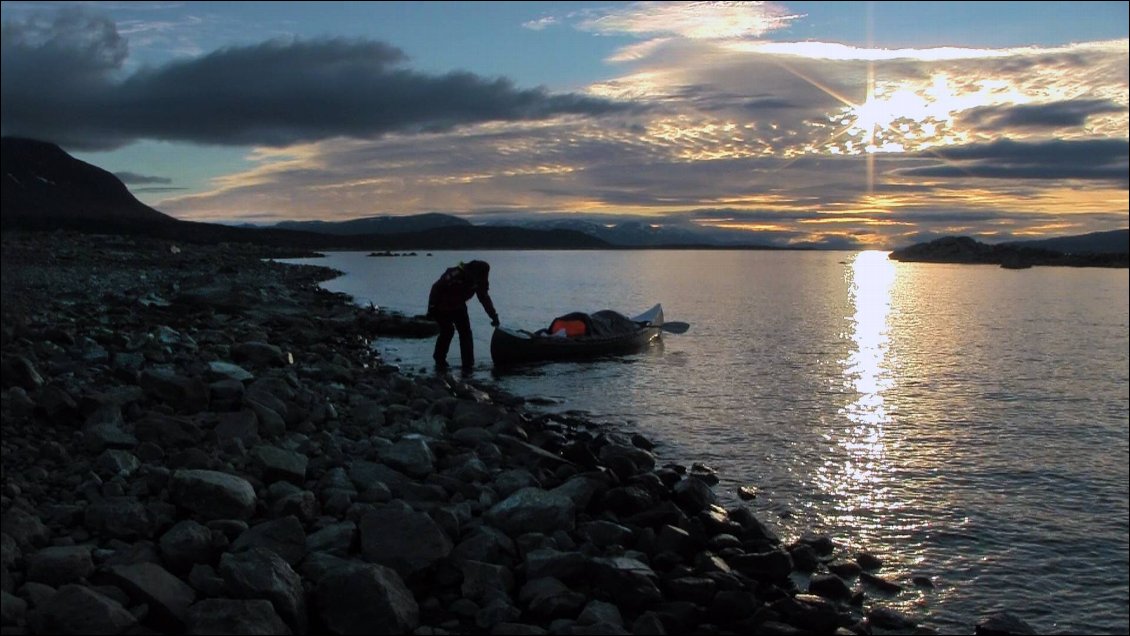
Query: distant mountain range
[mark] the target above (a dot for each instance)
(1113, 242)
(377, 224)
(621, 234)
(44, 188)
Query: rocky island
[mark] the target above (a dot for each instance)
(197, 439)
(963, 249)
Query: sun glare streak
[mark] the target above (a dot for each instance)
(866, 372)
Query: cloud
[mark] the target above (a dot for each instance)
(132, 178)
(1066, 114)
(1091, 159)
(275, 93)
(694, 20)
(540, 24)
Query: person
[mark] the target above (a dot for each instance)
(447, 305)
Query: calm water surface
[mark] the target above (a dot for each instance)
(968, 424)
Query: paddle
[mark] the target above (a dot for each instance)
(675, 327)
(669, 327)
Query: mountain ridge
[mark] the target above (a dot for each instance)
(46, 189)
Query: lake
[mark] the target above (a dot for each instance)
(965, 423)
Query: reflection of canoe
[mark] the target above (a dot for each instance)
(511, 346)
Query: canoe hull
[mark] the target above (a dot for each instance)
(509, 346)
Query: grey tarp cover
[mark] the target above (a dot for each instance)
(602, 324)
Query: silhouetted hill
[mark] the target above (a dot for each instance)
(963, 249)
(45, 188)
(377, 224)
(1113, 242)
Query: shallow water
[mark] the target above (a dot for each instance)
(965, 423)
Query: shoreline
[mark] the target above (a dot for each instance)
(199, 439)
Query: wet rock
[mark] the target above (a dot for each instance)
(547, 598)
(114, 463)
(204, 579)
(804, 557)
(187, 394)
(152, 584)
(409, 542)
(410, 455)
(626, 581)
(278, 464)
(186, 544)
(363, 598)
(234, 616)
(57, 566)
(844, 569)
(694, 495)
(483, 582)
(212, 495)
(486, 544)
(125, 518)
(105, 428)
(259, 354)
(808, 612)
(77, 609)
(226, 395)
(1002, 624)
(868, 561)
(605, 533)
(10, 551)
(829, 586)
(569, 567)
(285, 537)
(24, 528)
(21, 372)
(168, 431)
(242, 425)
(770, 566)
(337, 539)
(887, 618)
(258, 573)
(57, 404)
(218, 370)
(532, 510)
(13, 609)
(880, 583)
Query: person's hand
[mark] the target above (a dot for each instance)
(431, 315)
(494, 322)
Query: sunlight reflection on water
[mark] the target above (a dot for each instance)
(858, 475)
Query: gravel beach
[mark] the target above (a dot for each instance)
(199, 440)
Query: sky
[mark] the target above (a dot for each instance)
(837, 124)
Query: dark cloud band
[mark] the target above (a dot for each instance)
(59, 84)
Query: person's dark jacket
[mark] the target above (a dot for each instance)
(458, 284)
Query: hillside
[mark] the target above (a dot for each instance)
(1113, 242)
(44, 187)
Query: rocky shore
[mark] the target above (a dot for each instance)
(199, 440)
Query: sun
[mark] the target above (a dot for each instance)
(884, 122)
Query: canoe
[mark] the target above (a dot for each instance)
(516, 346)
